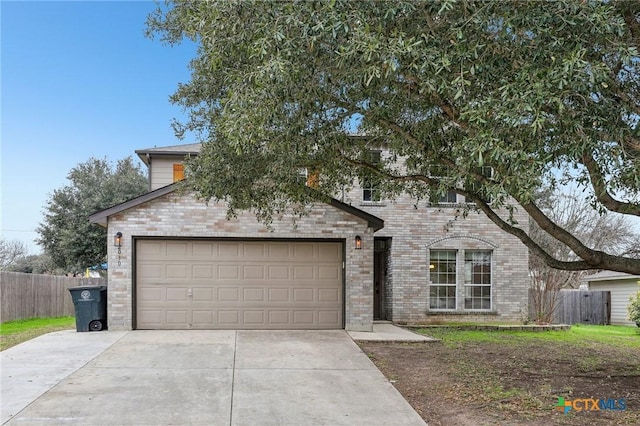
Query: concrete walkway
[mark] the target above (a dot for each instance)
(387, 332)
(197, 377)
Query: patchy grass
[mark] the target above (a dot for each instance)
(515, 377)
(16, 332)
(579, 334)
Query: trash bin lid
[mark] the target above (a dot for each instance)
(89, 287)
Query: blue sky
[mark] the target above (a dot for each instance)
(79, 80)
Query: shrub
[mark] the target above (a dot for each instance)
(634, 309)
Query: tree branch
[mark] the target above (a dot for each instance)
(600, 189)
(591, 259)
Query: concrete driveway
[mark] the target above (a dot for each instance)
(198, 377)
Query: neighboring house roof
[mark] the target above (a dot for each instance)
(173, 150)
(610, 276)
(100, 217)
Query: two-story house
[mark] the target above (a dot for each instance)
(179, 263)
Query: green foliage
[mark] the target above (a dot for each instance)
(67, 237)
(33, 264)
(634, 309)
(543, 93)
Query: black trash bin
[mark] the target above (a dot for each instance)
(91, 307)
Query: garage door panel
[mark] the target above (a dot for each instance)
(151, 294)
(279, 252)
(228, 250)
(305, 317)
(177, 294)
(328, 272)
(228, 295)
(204, 249)
(227, 272)
(151, 271)
(328, 295)
(303, 295)
(178, 248)
(278, 272)
(253, 295)
(203, 294)
(254, 251)
(330, 253)
(152, 317)
(304, 272)
(278, 295)
(253, 272)
(179, 272)
(239, 284)
(328, 317)
(148, 250)
(254, 318)
(303, 251)
(203, 318)
(202, 272)
(229, 317)
(177, 317)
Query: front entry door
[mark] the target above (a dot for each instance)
(379, 277)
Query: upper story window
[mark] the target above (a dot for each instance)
(487, 172)
(371, 184)
(449, 198)
(178, 172)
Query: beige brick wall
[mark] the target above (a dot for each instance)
(415, 228)
(183, 216)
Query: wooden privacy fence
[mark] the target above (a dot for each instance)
(578, 306)
(33, 295)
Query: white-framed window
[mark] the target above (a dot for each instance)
(370, 191)
(302, 176)
(475, 186)
(370, 185)
(451, 197)
(477, 280)
(443, 283)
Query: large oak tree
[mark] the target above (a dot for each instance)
(66, 235)
(538, 93)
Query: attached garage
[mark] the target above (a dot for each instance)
(180, 263)
(238, 284)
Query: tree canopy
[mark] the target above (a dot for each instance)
(66, 235)
(10, 253)
(541, 94)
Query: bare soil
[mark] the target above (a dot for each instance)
(515, 382)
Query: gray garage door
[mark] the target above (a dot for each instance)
(204, 284)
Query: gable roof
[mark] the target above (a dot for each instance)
(101, 216)
(173, 150)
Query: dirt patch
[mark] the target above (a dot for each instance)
(515, 381)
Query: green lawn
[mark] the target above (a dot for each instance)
(615, 335)
(15, 332)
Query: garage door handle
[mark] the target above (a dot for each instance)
(190, 292)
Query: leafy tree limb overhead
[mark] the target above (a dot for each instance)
(66, 235)
(543, 93)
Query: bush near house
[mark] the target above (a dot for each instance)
(634, 309)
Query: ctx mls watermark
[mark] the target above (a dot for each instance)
(591, 404)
